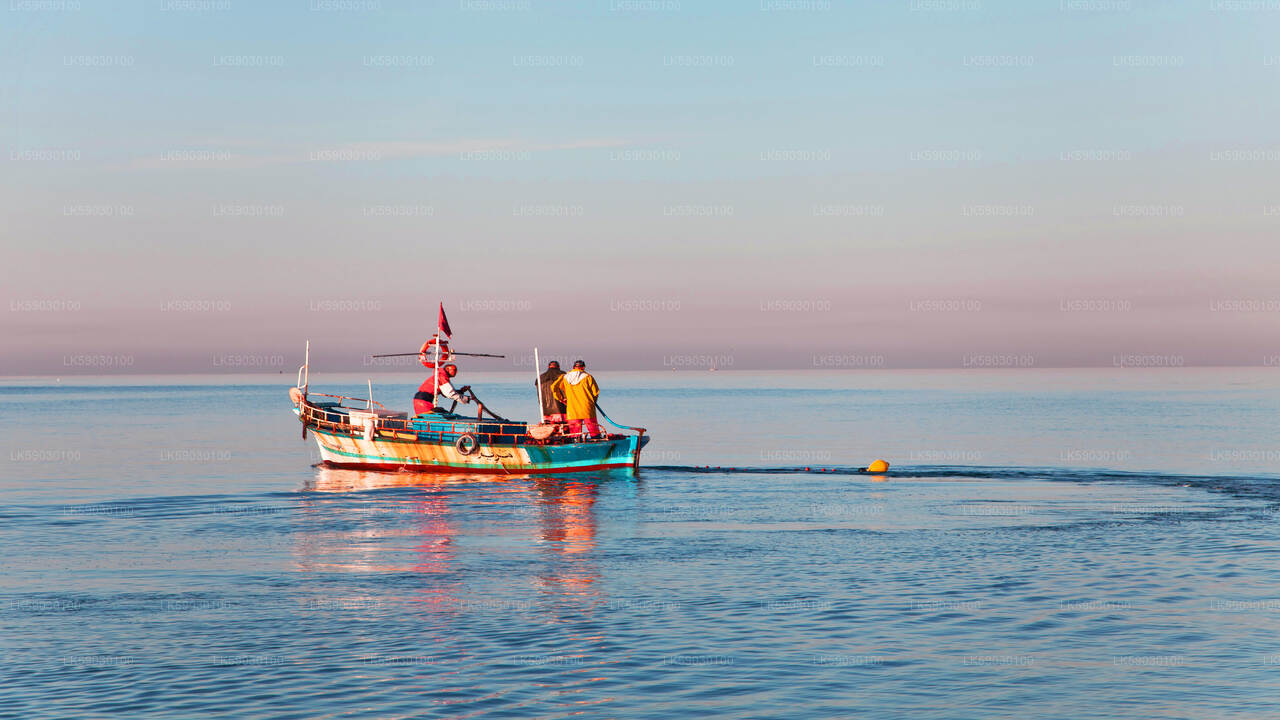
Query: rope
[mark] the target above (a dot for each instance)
(485, 408)
(609, 420)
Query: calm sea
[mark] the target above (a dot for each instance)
(1048, 543)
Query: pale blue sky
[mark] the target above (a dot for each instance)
(644, 183)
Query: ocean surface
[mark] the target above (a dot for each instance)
(1048, 543)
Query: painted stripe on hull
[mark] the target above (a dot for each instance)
(475, 469)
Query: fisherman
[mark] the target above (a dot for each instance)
(579, 391)
(552, 408)
(441, 382)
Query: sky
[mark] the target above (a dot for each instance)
(204, 185)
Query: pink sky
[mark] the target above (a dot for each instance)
(865, 185)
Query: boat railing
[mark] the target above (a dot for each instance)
(337, 419)
(356, 399)
(507, 434)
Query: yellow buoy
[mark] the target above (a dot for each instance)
(878, 466)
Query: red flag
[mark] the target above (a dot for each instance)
(443, 323)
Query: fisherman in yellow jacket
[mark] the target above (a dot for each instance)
(578, 390)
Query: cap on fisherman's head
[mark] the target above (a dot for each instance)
(579, 364)
(554, 364)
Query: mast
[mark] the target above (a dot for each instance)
(537, 382)
(435, 372)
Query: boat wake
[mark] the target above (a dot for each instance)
(1256, 486)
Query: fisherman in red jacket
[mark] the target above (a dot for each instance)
(440, 382)
(424, 401)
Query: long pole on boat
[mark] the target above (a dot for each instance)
(537, 382)
(435, 372)
(306, 384)
(451, 352)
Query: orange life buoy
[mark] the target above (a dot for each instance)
(427, 354)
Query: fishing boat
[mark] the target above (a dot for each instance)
(361, 433)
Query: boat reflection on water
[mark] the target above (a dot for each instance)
(335, 480)
(566, 508)
(549, 519)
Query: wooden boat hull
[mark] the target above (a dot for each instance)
(346, 451)
(352, 439)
